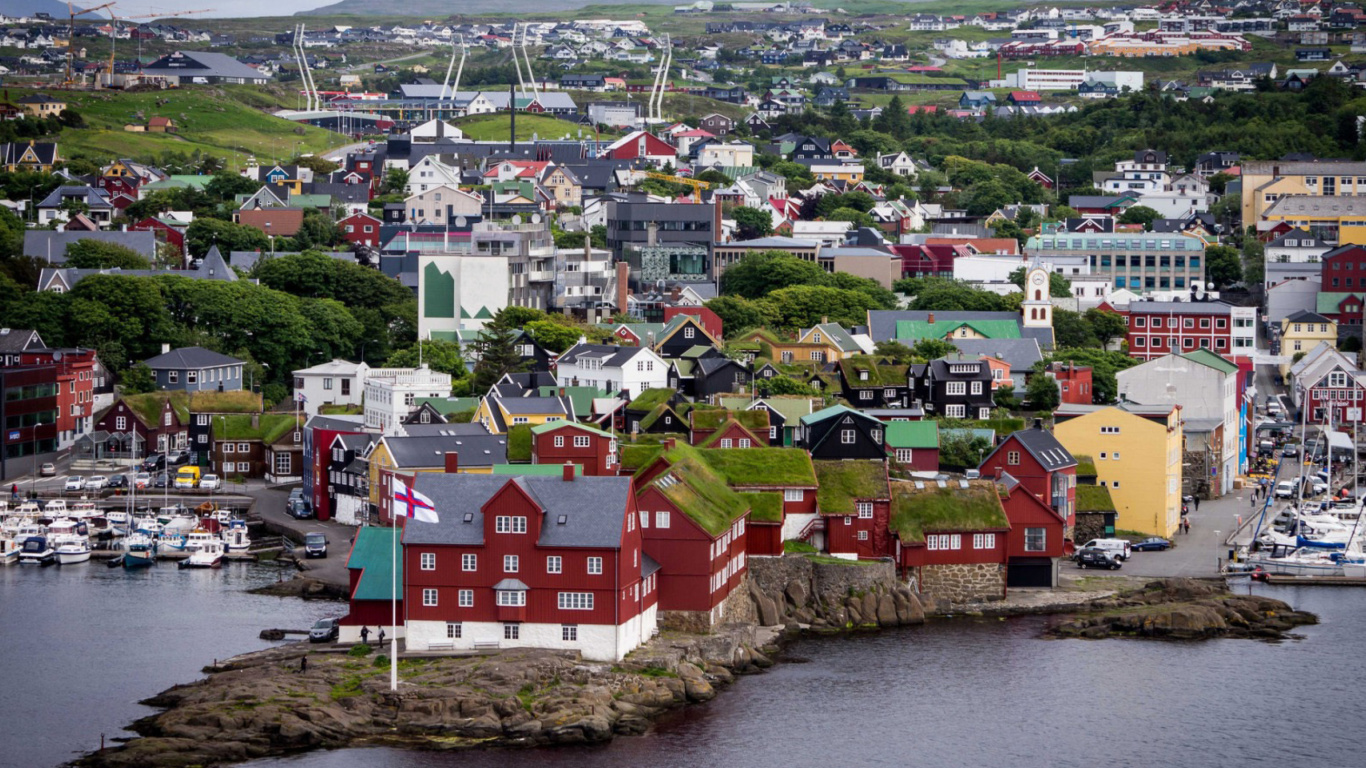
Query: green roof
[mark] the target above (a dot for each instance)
(717, 436)
(269, 427)
(791, 407)
(148, 405)
(841, 482)
(534, 470)
(757, 467)
(700, 493)
(519, 443)
(1094, 498)
(948, 510)
(1208, 358)
(1327, 303)
(541, 429)
(878, 375)
(373, 553)
(832, 411)
(580, 397)
(714, 418)
(764, 507)
(236, 401)
(634, 456)
(310, 201)
(916, 330)
(1086, 466)
(176, 181)
(648, 399)
(340, 409)
(912, 434)
(448, 405)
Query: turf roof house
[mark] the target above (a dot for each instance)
(589, 447)
(244, 444)
(780, 486)
(530, 561)
(138, 425)
(870, 383)
(840, 432)
(681, 333)
(951, 538)
(1040, 476)
(205, 406)
(703, 371)
(720, 428)
(785, 413)
(854, 503)
(651, 405)
(693, 525)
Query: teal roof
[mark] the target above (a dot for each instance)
(178, 180)
(373, 554)
(448, 405)
(1211, 360)
(912, 434)
(826, 413)
(581, 397)
(1327, 303)
(541, 429)
(310, 201)
(534, 470)
(916, 330)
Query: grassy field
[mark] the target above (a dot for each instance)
(495, 127)
(224, 122)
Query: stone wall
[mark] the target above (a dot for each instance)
(1090, 525)
(965, 582)
(737, 608)
(798, 590)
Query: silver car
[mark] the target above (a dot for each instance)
(75, 483)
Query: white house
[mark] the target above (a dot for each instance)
(337, 382)
(390, 393)
(611, 368)
(429, 173)
(735, 154)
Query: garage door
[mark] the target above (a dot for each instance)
(1030, 572)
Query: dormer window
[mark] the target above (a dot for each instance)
(862, 375)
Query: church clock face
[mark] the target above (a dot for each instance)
(1038, 278)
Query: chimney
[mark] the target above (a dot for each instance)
(452, 462)
(165, 349)
(1038, 423)
(569, 471)
(652, 233)
(623, 285)
(256, 421)
(668, 443)
(931, 318)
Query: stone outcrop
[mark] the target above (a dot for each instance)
(826, 595)
(1183, 609)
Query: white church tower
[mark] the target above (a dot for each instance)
(1037, 307)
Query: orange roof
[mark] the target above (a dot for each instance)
(980, 244)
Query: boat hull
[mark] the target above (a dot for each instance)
(71, 558)
(132, 560)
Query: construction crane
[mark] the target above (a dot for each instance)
(114, 31)
(71, 35)
(697, 186)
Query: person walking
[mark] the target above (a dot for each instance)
(365, 635)
(303, 663)
(1187, 525)
(1197, 503)
(381, 637)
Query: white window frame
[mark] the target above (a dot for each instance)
(662, 518)
(510, 598)
(466, 597)
(794, 494)
(575, 601)
(427, 561)
(595, 566)
(469, 562)
(511, 564)
(554, 564)
(429, 598)
(509, 524)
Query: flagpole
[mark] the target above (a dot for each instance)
(393, 604)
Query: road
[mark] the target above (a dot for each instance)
(270, 508)
(363, 65)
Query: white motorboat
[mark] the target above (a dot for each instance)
(117, 518)
(209, 555)
(198, 538)
(182, 523)
(235, 537)
(27, 509)
(147, 525)
(1296, 562)
(72, 549)
(84, 510)
(9, 551)
(55, 508)
(37, 551)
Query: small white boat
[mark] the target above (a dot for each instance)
(147, 525)
(84, 510)
(37, 551)
(235, 537)
(198, 538)
(209, 555)
(183, 523)
(9, 551)
(72, 549)
(55, 508)
(117, 518)
(27, 509)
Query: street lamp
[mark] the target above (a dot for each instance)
(33, 485)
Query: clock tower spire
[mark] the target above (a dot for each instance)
(1037, 308)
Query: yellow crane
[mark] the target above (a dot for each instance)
(697, 186)
(114, 28)
(71, 35)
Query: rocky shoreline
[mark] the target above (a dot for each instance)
(1183, 609)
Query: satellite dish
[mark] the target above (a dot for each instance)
(535, 218)
(56, 357)
(516, 218)
(460, 221)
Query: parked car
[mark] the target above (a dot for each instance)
(295, 495)
(1285, 489)
(300, 509)
(161, 480)
(1153, 544)
(75, 483)
(118, 481)
(1290, 451)
(178, 458)
(154, 462)
(96, 483)
(210, 483)
(324, 631)
(48, 470)
(142, 480)
(1119, 547)
(315, 545)
(1095, 557)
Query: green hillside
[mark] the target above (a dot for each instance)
(494, 127)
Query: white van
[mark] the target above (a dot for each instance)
(1118, 547)
(1273, 407)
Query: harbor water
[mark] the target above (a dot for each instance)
(83, 645)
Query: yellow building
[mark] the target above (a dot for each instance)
(1267, 181)
(847, 172)
(1337, 219)
(1303, 330)
(823, 343)
(500, 414)
(1137, 452)
(407, 456)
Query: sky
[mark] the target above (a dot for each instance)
(222, 8)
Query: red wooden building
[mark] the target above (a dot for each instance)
(1032, 463)
(709, 320)
(77, 373)
(557, 442)
(369, 567)
(854, 502)
(360, 229)
(1074, 382)
(1158, 328)
(320, 434)
(951, 540)
(164, 232)
(544, 562)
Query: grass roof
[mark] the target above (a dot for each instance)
(878, 375)
(340, 409)
(945, 510)
(1086, 466)
(755, 467)
(699, 492)
(841, 482)
(237, 401)
(148, 405)
(714, 418)
(1094, 498)
(448, 405)
(764, 507)
(634, 456)
(519, 443)
(269, 427)
(657, 412)
(650, 398)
